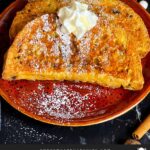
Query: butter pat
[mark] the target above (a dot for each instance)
(76, 19)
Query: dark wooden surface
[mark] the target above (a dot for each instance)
(17, 128)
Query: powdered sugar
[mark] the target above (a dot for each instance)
(55, 49)
(62, 103)
(24, 131)
(39, 34)
(46, 26)
(66, 46)
(40, 87)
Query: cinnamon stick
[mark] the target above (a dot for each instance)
(142, 129)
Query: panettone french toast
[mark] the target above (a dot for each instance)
(113, 11)
(31, 11)
(42, 52)
(109, 54)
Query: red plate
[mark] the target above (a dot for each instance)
(68, 103)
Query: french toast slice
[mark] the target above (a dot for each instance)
(119, 12)
(105, 55)
(31, 11)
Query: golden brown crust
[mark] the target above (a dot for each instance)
(123, 17)
(30, 12)
(104, 55)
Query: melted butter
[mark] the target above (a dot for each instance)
(77, 19)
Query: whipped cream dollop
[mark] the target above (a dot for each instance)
(76, 19)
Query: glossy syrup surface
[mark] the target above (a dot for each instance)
(62, 100)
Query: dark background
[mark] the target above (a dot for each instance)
(17, 128)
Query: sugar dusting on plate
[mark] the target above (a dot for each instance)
(62, 101)
(59, 103)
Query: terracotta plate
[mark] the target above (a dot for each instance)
(68, 103)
